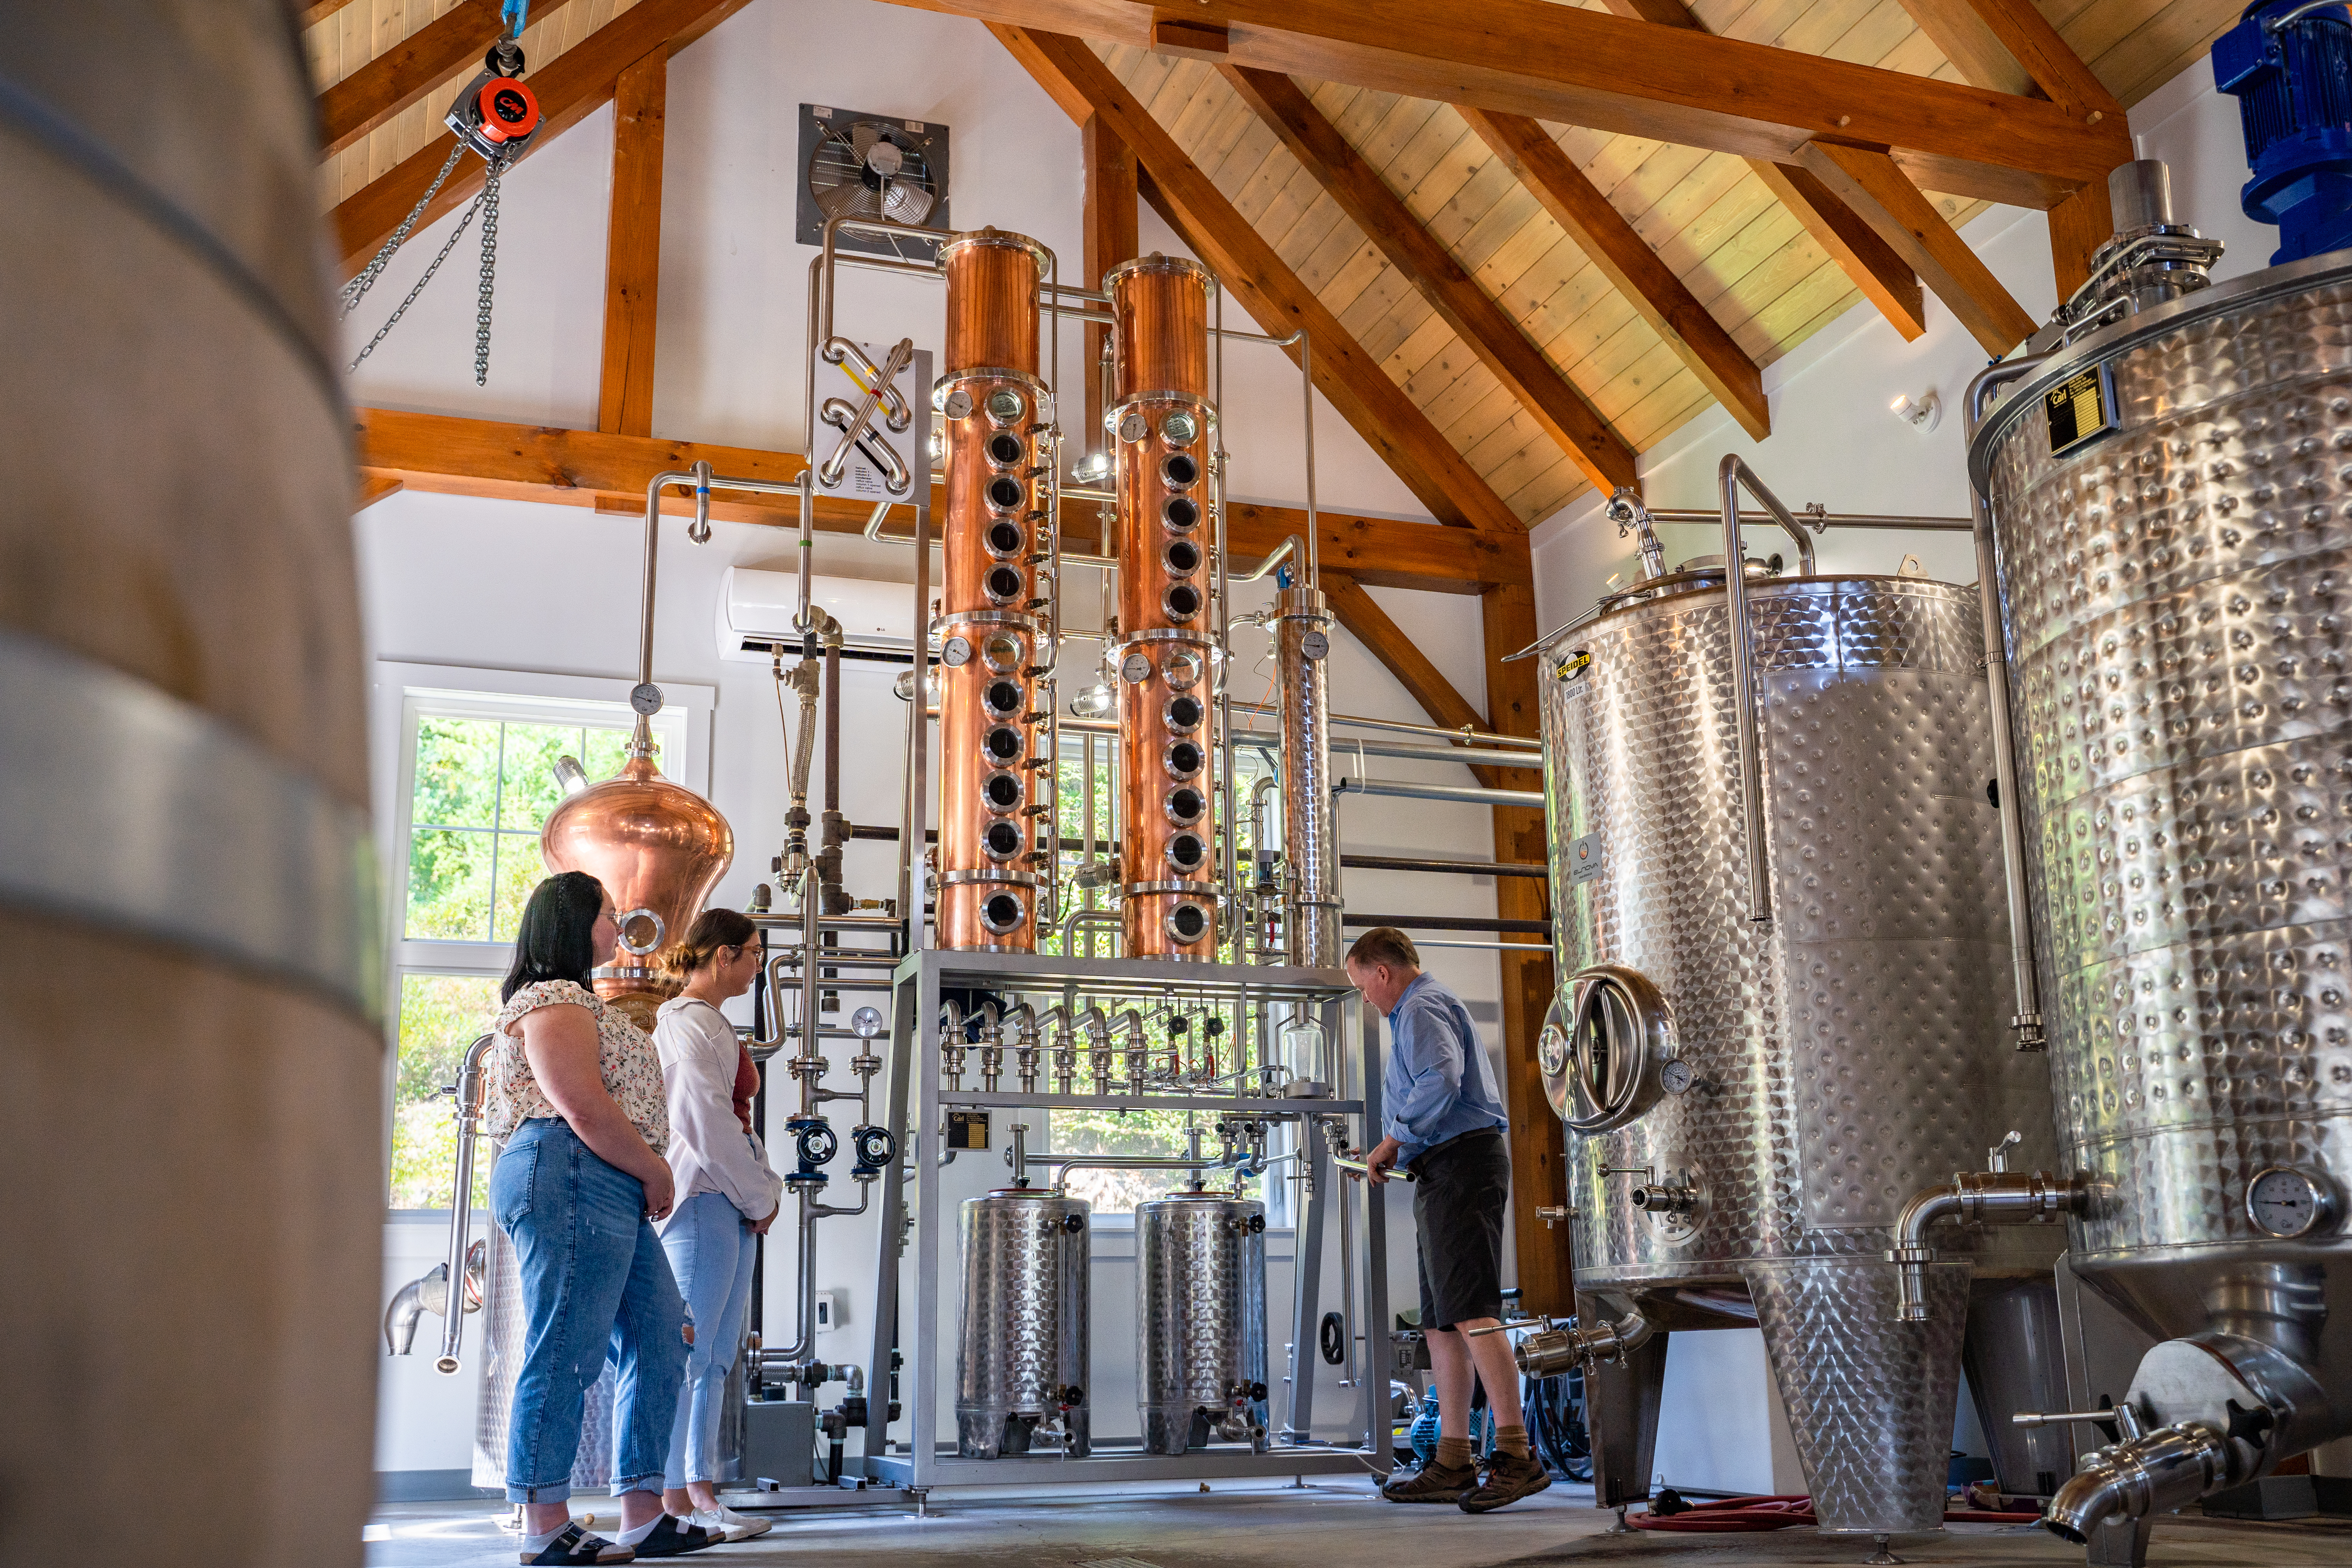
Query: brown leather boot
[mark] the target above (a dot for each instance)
(1432, 1482)
(1508, 1479)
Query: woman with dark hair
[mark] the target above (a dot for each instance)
(726, 1195)
(575, 1090)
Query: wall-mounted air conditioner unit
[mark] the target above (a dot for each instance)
(756, 609)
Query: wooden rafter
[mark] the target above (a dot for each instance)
(318, 11)
(1111, 214)
(1646, 283)
(1872, 184)
(446, 455)
(375, 487)
(1431, 269)
(1578, 66)
(449, 46)
(2009, 46)
(1884, 278)
(2078, 226)
(624, 401)
(1376, 407)
(570, 87)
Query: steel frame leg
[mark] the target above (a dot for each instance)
(1620, 1413)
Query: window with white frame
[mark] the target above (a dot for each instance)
(476, 784)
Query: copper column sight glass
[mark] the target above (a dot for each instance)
(659, 849)
(1161, 428)
(994, 784)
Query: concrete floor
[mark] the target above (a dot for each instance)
(1332, 1524)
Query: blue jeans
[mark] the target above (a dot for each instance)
(711, 1251)
(595, 1285)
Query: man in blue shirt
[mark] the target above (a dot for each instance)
(1442, 1120)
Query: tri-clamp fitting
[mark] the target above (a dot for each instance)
(1997, 1196)
(1556, 1351)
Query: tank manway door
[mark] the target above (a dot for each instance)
(1605, 1048)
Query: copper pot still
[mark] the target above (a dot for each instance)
(659, 849)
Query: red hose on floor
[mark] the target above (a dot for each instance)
(1754, 1513)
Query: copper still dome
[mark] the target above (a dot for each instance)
(659, 849)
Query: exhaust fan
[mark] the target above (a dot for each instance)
(871, 166)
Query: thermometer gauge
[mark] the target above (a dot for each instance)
(2286, 1202)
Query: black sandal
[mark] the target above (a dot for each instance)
(673, 1537)
(576, 1547)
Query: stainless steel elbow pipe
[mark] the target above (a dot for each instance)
(1556, 1351)
(407, 1305)
(1973, 1197)
(2166, 1470)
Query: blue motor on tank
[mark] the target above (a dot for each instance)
(2289, 65)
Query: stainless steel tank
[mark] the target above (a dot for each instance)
(1199, 1324)
(1751, 1101)
(2172, 500)
(1021, 1336)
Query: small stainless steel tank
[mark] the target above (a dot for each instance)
(1021, 1337)
(1751, 1102)
(1200, 1324)
(2172, 499)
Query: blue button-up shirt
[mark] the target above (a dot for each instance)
(1439, 1083)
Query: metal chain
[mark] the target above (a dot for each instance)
(490, 272)
(360, 285)
(455, 234)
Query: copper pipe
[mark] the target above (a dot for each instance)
(994, 421)
(1161, 439)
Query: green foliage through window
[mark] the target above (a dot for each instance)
(483, 788)
(440, 1015)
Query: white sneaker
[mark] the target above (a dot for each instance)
(734, 1526)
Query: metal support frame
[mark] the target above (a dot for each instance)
(916, 1275)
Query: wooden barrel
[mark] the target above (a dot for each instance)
(192, 1048)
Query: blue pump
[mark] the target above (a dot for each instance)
(2289, 65)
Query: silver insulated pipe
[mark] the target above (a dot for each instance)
(1302, 644)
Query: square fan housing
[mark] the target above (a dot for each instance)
(827, 161)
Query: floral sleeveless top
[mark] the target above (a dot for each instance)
(632, 1066)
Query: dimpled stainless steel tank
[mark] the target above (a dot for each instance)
(1200, 1324)
(2172, 499)
(1020, 1338)
(1751, 1102)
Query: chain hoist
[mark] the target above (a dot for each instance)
(496, 116)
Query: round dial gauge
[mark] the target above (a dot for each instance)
(955, 652)
(1135, 668)
(1674, 1076)
(1314, 645)
(646, 698)
(2287, 1201)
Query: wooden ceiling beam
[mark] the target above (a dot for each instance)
(1112, 211)
(318, 11)
(441, 454)
(375, 487)
(2078, 226)
(573, 86)
(2011, 47)
(1578, 66)
(447, 46)
(1488, 329)
(624, 393)
(1074, 76)
(1870, 183)
(1884, 278)
(1648, 284)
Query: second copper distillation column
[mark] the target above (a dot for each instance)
(1161, 421)
(993, 616)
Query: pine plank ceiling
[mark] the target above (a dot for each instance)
(1710, 218)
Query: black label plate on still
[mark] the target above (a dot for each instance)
(967, 1129)
(2081, 409)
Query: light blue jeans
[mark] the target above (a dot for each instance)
(711, 1250)
(595, 1285)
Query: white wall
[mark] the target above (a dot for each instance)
(1834, 441)
(515, 585)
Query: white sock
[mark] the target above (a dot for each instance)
(631, 1537)
(537, 1543)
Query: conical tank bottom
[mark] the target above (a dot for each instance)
(1870, 1400)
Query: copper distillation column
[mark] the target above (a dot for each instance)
(994, 784)
(1161, 425)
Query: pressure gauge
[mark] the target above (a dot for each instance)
(958, 403)
(2284, 1201)
(646, 698)
(1134, 427)
(1674, 1076)
(866, 1023)
(956, 652)
(1135, 668)
(1314, 645)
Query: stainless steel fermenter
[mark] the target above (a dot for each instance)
(1756, 1086)
(1020, 1338)
(2172, 499)
(1200, 1322)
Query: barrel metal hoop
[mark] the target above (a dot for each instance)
(125, 807)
